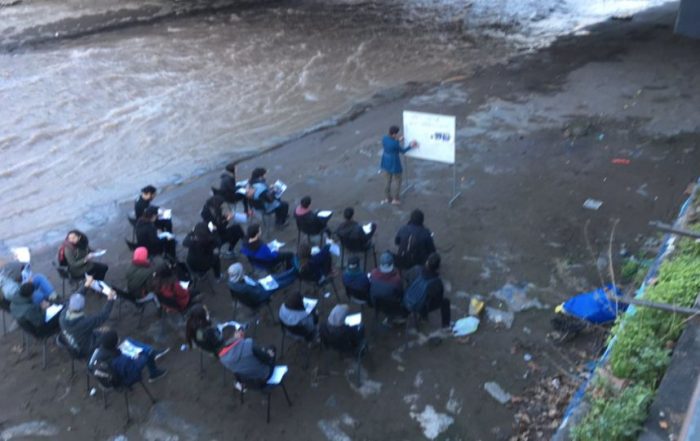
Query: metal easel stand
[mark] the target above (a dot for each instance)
(455, 194)
(408, 185)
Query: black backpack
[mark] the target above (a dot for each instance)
(416, 294)
(406, 255)
(100, 367)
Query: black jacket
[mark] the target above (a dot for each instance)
(200, 249)
(415, 244)
(147, 236)
(79, 332)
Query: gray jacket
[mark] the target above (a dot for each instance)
(244, 359)
(78, 330)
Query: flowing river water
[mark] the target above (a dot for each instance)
(85, 123)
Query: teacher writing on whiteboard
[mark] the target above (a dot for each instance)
(391, 162)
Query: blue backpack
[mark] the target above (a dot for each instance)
(416, 294)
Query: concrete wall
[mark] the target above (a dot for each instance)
(688, 21)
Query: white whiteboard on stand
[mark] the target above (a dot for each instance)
(435, 135)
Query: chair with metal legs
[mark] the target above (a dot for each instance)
(276, 380)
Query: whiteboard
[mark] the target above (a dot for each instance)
(434, 133)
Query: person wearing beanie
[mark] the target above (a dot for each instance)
(386, 289)
(352, 235)
(414, 241)
(78, 330)
(355, 280)
(127, 367)
(297, 318)
(140, 276)
(251, 292)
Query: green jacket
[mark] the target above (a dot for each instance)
(76, 257)
(138, 277)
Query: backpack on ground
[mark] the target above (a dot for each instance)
(416, 294)
(100, 367)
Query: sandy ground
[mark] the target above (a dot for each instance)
(536, 139)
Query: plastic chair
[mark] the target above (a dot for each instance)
(276, 380)
(289, 331)
(331, 341)
(318, 284)
(74, 356)
(5, 308)
(125, 390)
(251, 304)
(139, 304)
(358, 297)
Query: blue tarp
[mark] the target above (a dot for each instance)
(594, 306)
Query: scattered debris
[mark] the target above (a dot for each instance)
(465, 326)
(499, 317)
(516, 298)
(31, 428)
(476, 306)
(621, 161)
(453, 405)
(431, 422)
(592, 204)
(497, 392)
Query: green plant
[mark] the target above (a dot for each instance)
(629, 270)
(614, 416)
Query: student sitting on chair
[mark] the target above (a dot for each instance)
(23, 309)
(315, 267)
(42, 290)
(386, 288)
(355, 280)
(352, 232)
(10, 280)
(414, 241)
(201, 332)
(266, 197)
(250, 291)
(229, 189)
(148, 235)
(425, 291)
(340, 336)
(203, 250)
(300, 321)
(217, 212)
(171, 294)
(260, 253)
(126, 361)
(78, 330)
(141, 274)
(250, 362)
(76, 254)
(308, 221)
(148, 193)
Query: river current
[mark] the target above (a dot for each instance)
(85, 123)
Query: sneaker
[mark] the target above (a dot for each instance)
(158, 375)
(239, 387)
(160, 354)
(385, 201)
(396, 201)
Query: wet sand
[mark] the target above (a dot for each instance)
(536, 139)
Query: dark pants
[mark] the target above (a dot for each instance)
(231, 235)
(281, 212)
(147, 357)
(285, 257)
(98, 270)
(439, 303)
(202, 265)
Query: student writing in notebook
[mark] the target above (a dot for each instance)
(353, 235)
(251, 363)
(308, 220)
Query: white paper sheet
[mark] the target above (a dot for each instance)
(166, 235)
(239, 217)
(324, 213)
(353, 319)
(278, 374)
(310, 304)
(221, 326)
(275, 245)
(98, 253)
(184, 284)
(51, 312)
(165, 213)
(280, 186)
(269, 283)
(367, 228)
(22, 254)
(130, 350)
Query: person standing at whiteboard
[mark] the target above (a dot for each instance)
(391, 162)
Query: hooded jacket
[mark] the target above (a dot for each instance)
(78, 329)
(246, 360)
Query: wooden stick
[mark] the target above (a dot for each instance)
(671, 229)
(656, 305)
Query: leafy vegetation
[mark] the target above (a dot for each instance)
(642, 348)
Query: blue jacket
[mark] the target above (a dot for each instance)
(128, 370)
(262, 254)
(391, 162)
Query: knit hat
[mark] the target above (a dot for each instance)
(140, 256)
(235, 272)
(386, 262)
(76, 302)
